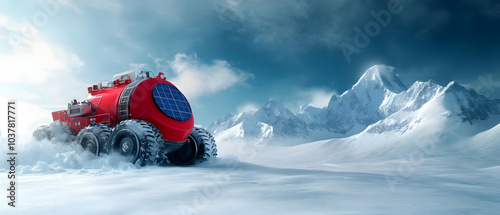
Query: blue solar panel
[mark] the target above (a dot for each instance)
(171, 102)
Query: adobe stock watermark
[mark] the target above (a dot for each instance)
(372, 28)
(408, 165)
(40, 19)
(12, 153)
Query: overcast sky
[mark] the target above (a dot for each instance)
(233, 55)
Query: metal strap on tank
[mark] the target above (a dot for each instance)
(124, 101)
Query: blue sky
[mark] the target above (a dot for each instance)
(233, 55)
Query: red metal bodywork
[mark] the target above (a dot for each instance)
(142, 107)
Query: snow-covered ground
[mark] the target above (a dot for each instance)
(428, 149)
(337, 176)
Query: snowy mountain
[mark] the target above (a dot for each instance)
(243, 125)
(361, 105)
(468, 104)
(284, 122)
(378, 103)
(270, 120)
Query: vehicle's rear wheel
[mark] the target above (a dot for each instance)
(93, 138)
(199, 147)
(57, 131)
(42, 133)
(138, 140)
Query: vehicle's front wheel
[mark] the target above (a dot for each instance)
(138, 140)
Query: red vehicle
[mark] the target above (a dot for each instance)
(147, 119)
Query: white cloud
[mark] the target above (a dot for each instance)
(29, 117)
(36, 71)
(40, 76)
(196, 78)
(137, 67)
(317, 97)
(248, 107)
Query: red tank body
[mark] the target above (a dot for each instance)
(104, 104)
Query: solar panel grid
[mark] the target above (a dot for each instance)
(171, 102)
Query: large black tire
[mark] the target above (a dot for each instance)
(199, 147)
(136, 139)
(42, 133)
(94, 137)
(49, 132)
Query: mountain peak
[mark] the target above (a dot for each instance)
(454, 86)
(303, 108)
(272, 103)
(272, 108)
(469, 104)
(419, 85)
(381, 76)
